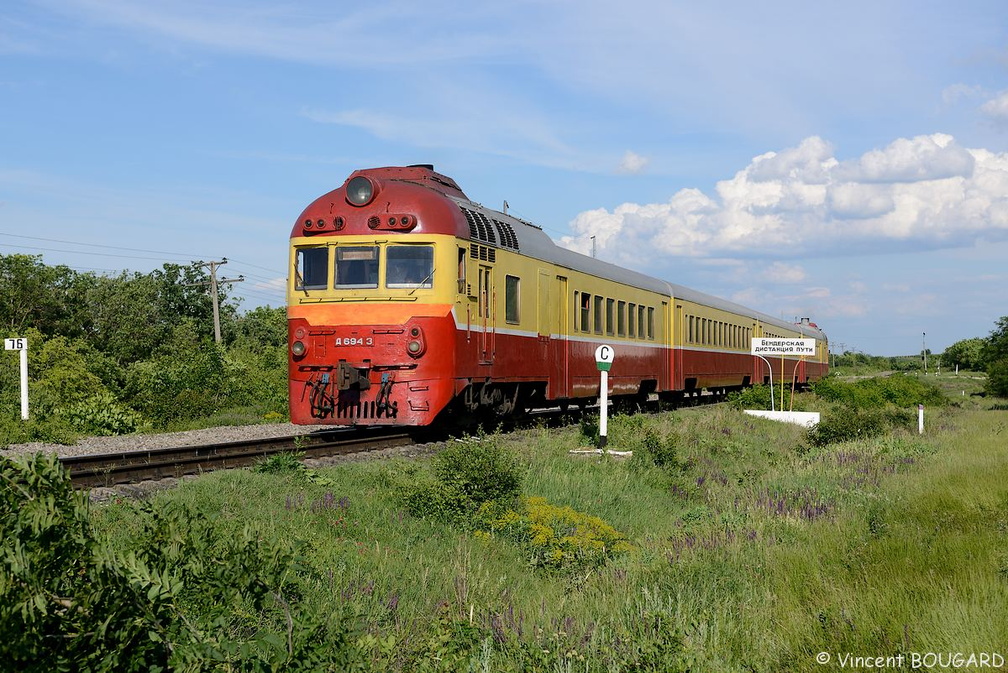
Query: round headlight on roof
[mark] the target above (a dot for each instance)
(360, 191)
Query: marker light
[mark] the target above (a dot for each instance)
(298, 348)
(417, 345)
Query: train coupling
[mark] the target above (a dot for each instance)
(349, 377)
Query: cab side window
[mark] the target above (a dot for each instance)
(312, 269)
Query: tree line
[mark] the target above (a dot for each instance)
(977, 354)
(988, 355)
(133, 351)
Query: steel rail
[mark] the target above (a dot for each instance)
(125, 467)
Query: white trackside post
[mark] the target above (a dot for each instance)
(21, 344)
(24, 384)
(603, 409)
(920, 419)
(603, 359)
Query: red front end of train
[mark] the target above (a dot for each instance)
(370, 322)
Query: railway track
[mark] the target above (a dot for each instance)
(127, 467)
(108, 469)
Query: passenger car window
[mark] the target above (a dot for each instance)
(511, 296)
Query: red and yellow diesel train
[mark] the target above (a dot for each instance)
(407, 301)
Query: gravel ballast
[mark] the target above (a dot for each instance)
(144, 442)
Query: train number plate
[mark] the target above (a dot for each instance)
(355, 341)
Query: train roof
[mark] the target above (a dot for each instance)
(501, 230)
(530, 240)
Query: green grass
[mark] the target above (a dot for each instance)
(752, 549)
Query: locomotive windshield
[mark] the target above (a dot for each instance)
(409, 266)
(312, 270)
(356, 267)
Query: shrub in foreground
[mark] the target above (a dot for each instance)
(559, 538)
(755, 397)
(846, 425)
(467, 474)
(65, 604)
(186, 595)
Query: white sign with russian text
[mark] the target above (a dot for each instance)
(768, 346)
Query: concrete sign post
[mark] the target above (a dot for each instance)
(603, 359)
(21, 344)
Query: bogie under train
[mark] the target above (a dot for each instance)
(408, 301)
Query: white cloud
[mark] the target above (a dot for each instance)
(809, 163)
(855, 200)
(779, 272)
(924, 192)
(911, 160)
(997, 108)
(632, 163)
(952, 94)
(319, 33)
(513, 128)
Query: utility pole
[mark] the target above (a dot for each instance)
(924, 350)
(214, 285)
(841, 346)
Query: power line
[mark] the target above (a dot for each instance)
(244, 294)
(91, 268)
(264, 279)
(190, 257)
(251, 264)
(99, 245)
(79, 252)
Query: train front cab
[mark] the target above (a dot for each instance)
(371, 329)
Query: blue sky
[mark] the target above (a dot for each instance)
(844, 161)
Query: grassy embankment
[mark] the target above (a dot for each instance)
(751, 549)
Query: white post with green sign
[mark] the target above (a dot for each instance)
(21, 344)
(603, 359)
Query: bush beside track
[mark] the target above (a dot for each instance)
(134, 352)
